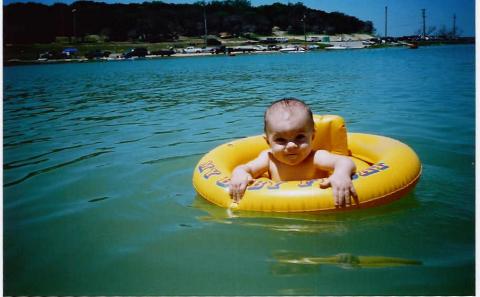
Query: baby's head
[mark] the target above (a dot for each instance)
(286, 108)
(289, 130)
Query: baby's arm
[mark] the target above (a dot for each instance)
(244, 174)
(340, 180)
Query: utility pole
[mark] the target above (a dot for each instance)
(74, 39)
(304, 30)
(386, 15)
(423, 17)
(205, 21)
(454, 26)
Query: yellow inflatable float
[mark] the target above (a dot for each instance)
(386, 170)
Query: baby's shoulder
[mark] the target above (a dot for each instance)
(266, 154)
(264, 157)
(321, 156)
(321, 153)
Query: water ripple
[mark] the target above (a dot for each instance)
(29, 141)
(52, 168)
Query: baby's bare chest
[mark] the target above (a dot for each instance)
(303, 171)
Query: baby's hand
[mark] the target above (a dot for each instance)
(342, 188)
(238, 183)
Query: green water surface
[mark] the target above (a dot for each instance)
(98, 161)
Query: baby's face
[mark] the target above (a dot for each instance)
(289, 136)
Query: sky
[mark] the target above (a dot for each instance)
(404, 17)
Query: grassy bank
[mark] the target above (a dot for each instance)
(31, 52)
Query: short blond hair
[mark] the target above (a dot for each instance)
(290, 105)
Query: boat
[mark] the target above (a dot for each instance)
(293, 49)
(336, 47)
(412, 45)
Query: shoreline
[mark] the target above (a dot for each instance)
(15, 62)
(18, 62)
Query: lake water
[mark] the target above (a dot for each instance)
(98, 161)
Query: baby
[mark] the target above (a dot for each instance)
(289, 131)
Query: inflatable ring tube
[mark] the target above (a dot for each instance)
(386, 170)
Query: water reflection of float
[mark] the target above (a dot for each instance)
(291, 263)
(386, 170)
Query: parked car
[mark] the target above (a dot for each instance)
(97, 54)
(70, 51)
(219, 50)
(140, 52)
(260, 48)
(210, 49)
(274, 47)
(192, 50)
(52, 55)
(244, 48)
(162, 53)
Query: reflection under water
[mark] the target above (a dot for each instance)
(284, 226)
(326, 222)
(289, 222)
(342, 260)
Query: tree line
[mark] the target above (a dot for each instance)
(158, 21)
